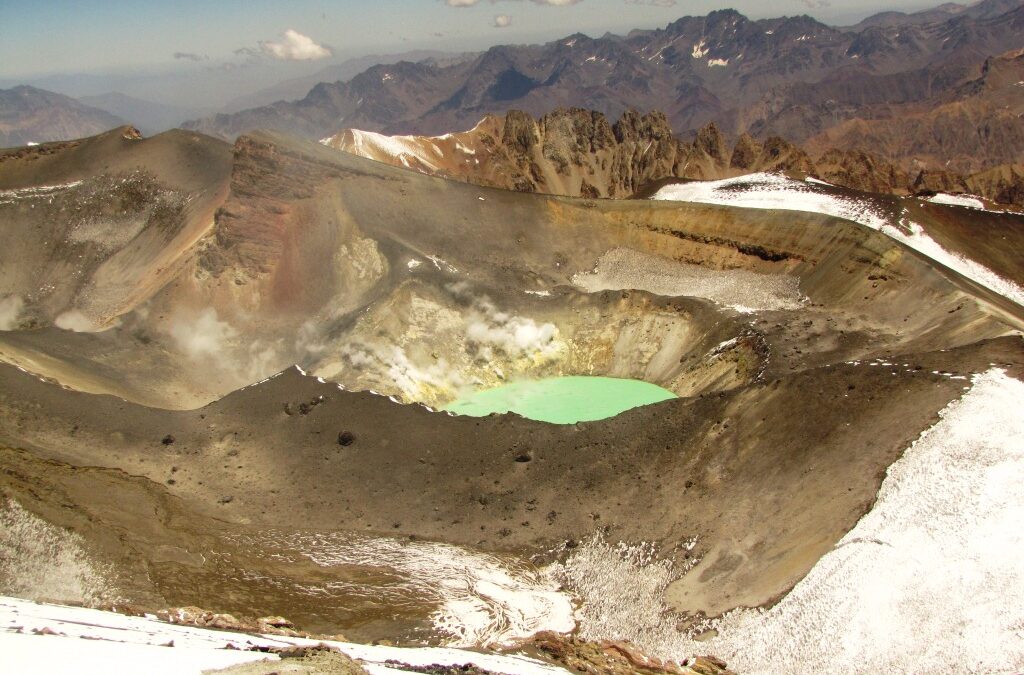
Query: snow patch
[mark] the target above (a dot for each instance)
(35, 192)
(484, 600)
(717, 62)
(441, 265)
(700, 50)
(117, 643)
(969, 201)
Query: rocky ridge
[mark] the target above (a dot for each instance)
(579, 153)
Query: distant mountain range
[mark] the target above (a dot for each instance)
(149, 116)
(980, 10)
(936, 90)
(30, 115)
(297, 87)
(793, 77)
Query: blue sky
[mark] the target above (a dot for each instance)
(39, 37)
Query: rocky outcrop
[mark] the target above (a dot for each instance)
(861, 171)
(1001, 184)
(615, 657)
(570, 151)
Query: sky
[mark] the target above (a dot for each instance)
(47, 37)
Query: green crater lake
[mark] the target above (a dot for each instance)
(562, 400)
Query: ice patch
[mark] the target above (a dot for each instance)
(930, 579)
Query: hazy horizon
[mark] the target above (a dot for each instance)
(122, 38)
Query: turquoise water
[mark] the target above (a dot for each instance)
(562, 400)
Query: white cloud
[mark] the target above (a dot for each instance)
(502, 21)
(551, 3)
(190, 56)
(295, 46)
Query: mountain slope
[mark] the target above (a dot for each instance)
(189, 458)
(30, 115)
(977, 126)
(769, 77)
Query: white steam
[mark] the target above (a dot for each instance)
(10, 310)
(494, 331)
(76, 321)
(409, 377)
(514, 335)
(201, 334)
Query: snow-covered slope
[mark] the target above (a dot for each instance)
(55, 639)
(427, 154)
(928, 581)
(773, 191)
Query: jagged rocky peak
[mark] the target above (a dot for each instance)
(861, 170)
(633, 126)
(932, 181)
(588, 129)
(711, 142)
(746, 152)
(520, 133)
